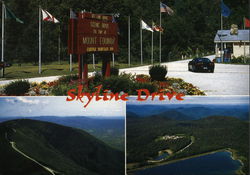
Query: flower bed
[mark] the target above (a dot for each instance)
(125, 83)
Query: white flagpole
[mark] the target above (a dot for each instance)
(3, 21)
(113, 59)
(93, 56)
(160, 37)
(59, 46)
(141, 41)
(70, 55)
(129, 61)
(244, 41)
(221, 50)
(152, 49)
(40, 41)
(70, 62)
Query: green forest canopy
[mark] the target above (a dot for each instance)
(193, 26)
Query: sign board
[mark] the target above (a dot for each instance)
(2, 64)
(92, 33)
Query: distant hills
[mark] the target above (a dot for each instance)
(109, 130)
(189, 112)
(64, 149)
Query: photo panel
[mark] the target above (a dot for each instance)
(200, 135)
(47, 135)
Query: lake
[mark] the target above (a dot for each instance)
(219, 163)
(162, 156)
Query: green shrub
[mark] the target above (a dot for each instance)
(136, 86)
(158, 72)
(68, 78)
(239, 59)
(19, 87)
(114, 71)
(97, 79)
(117, 84)
(62, 89)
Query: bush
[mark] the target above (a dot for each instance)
(158, 72)
(114, 71)
(68, 78)
(240, 60)
(117, 84)
(62, 89)
(149, 86)
(19, 87)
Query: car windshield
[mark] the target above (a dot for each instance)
(205, 60)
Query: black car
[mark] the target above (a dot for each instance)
(201, 64)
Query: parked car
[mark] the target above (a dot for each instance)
(201, 64)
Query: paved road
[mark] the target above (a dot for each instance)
(227, 79)
(13, 145)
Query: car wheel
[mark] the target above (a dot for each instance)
(193, 69)
(211, 70)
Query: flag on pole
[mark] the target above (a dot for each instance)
(246, 22)
(165, 9)
(225, 11)
(72, 14)
(9, 14)
(145, 26)
(157, 28)
(48, 17)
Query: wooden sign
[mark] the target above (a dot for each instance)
(92, 33)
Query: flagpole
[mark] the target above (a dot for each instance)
(40, 41)
(113, 59)
(160, 37)
(152, 49)
(129, 61)
(3, 21)
(70, 55)
(244, 41)
(59, 46)
(221, 50)
(141, 41)
(93, 56)
(70, 62)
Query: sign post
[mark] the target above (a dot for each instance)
(92, 33)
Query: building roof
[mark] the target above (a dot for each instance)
(225, 36)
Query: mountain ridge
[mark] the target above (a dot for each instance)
(67, 150)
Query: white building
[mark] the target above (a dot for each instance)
(236, 44)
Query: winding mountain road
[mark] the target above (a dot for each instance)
(13, 145)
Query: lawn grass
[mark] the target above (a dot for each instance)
(29, 70)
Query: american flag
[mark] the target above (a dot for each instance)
(165, 9)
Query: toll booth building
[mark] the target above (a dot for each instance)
(234, 44)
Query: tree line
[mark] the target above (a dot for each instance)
(192, 28)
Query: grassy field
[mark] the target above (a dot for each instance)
(52, 69)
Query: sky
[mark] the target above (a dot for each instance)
(222, 100)
(58, 106)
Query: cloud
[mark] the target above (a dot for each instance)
(10, 100)
(28, 101)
